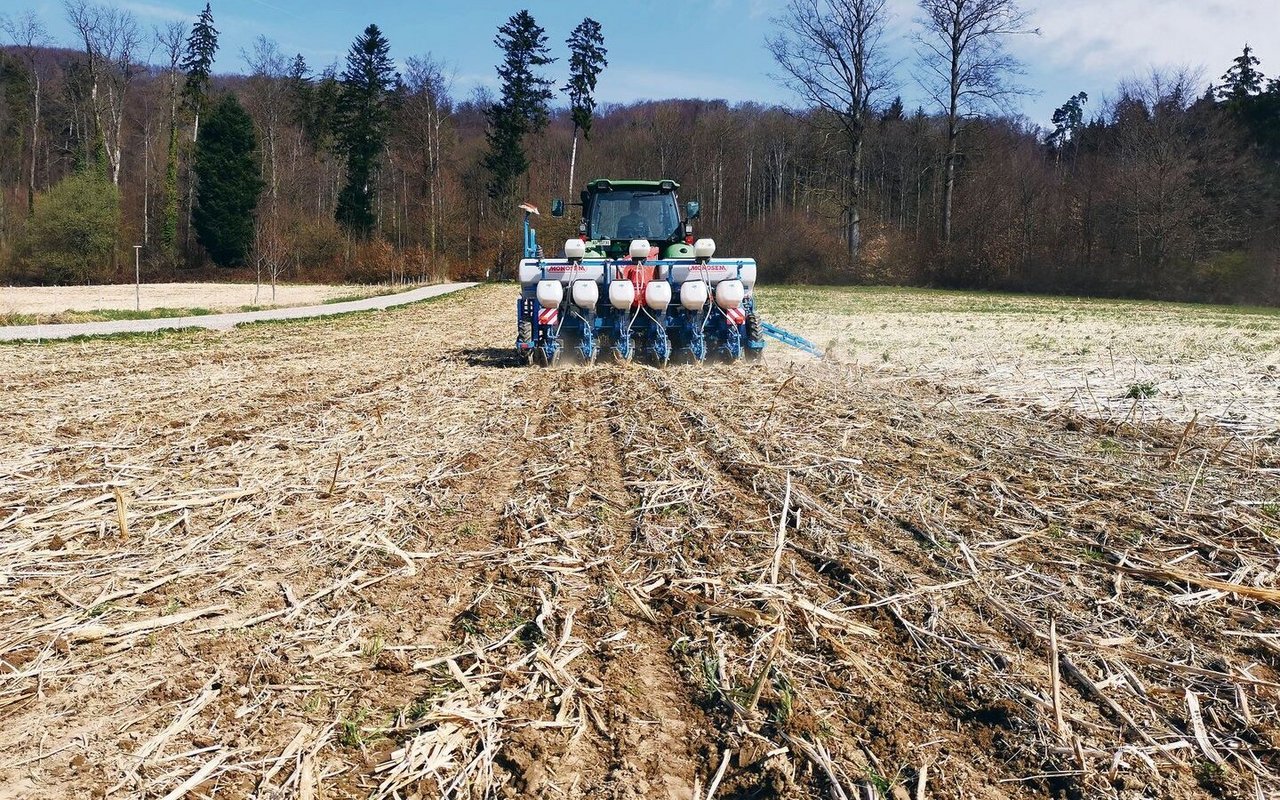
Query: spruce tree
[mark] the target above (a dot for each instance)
(586, 61)
(1243, 79)
(202, 44)
(363, 117)
(896, 112)
(521, 110)
(298, 91)
(228, 182)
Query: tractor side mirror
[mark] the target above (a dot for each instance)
(557, 207)
(691, 209)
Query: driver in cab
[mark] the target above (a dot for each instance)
(633, 225)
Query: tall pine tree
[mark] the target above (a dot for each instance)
(521, 110)
(586, 61)
(363, 116)
(1243, 79)
(228, 182)
(202, 44)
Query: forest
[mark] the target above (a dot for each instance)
(375, 169)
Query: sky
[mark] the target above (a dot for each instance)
(716, 48)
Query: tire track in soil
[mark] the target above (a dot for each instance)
(492, 467)
(648, 745)
(648, 750)
(869, 698)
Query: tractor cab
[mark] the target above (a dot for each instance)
(615, 213)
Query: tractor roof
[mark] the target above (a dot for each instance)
(608, 185)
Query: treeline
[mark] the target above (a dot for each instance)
(370, 171)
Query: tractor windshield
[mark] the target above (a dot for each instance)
(634, 214)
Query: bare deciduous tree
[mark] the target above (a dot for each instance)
(426, 109)
(266, 101)
(967, 69)
(111, 38)
(270, 252)
(29, 35)
(830, 54)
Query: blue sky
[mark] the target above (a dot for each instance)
(715, 48)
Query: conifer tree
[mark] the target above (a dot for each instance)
(522, 108)
(586, 61)
(202, 44)
(228, 183)
(1068, 118)
(363, 117)
(298, 91)
(1243, 79)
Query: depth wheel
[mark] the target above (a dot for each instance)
(547, 363)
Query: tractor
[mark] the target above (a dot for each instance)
(637, 284)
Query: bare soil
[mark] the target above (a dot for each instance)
(374, 557)
(55, 300)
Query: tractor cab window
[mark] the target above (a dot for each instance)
(628, 214)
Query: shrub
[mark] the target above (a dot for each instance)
(74, 231)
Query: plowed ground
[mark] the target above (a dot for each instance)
(374, 557)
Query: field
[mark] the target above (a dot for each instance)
(27, 305)
(1096, 356)
(372, 557)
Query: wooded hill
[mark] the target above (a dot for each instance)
(1162, 189)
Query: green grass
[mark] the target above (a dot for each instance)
(101, 315)
(118, 314)
(350, 733)
(347, 314)
(1142, 391)
(373, 647)
(166, 333)
(380, 292)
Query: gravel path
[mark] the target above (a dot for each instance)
(222, 322)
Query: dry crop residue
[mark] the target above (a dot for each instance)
(372, 557)
(1115, 359)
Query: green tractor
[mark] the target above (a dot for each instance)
(635, 281)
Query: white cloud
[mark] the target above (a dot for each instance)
(1121, 38)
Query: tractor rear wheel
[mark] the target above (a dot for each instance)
(524, 335)
(755, 333)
